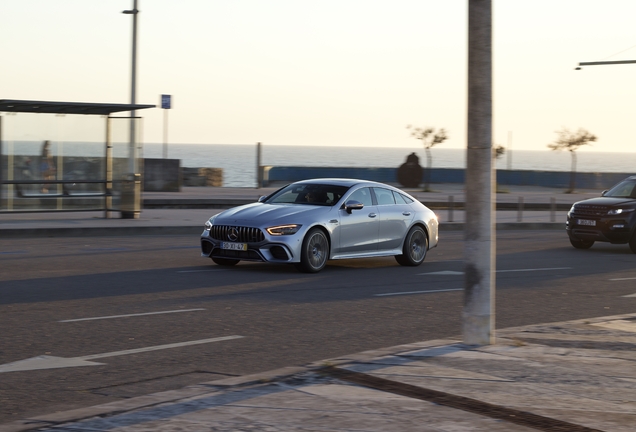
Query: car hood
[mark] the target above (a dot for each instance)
(258, 213)
(607, 201)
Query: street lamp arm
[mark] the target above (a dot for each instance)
(606, 62)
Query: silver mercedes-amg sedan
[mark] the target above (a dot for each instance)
(309, 222)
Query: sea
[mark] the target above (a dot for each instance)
(239, 161)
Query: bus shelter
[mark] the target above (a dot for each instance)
(70, 156)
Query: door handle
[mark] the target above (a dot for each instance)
(372, 215)
(406, 214)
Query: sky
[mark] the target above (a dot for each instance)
(329, 72)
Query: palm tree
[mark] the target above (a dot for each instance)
(429, 139)
(571, 141)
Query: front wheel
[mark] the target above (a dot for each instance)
(582, 244)
(225, 261)
(414, 249)
(314, 253)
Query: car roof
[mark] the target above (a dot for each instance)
(341, 182)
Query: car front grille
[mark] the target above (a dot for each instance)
(589, 210)
(236, 234)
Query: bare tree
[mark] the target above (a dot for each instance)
(571, 141)
(497, 152)
(429, 139)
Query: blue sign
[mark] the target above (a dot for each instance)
(166, 101)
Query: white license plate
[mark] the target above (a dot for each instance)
(586, 222)
(234, 246)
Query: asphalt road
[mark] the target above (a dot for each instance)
(157, 316)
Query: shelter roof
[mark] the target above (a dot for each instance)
(48, 107)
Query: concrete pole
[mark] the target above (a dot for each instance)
(165, 134)
(132, 150)
(509, 150)
(478, 316)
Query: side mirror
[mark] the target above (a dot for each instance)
(261, 199)
(349, 206)
(604, 192)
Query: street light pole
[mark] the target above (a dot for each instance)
(132, 151)
(130, 201)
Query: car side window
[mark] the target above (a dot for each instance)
(399, 199)
(384, 196)
(362, 195)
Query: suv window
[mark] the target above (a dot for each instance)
(625, 189)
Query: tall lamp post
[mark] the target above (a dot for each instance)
(131, 187)
(132, 158)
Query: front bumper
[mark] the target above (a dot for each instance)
(282, 249)
(611, 230)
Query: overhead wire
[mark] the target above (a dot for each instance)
(620, 52)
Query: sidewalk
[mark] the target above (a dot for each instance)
(574, 376)
(180, 213)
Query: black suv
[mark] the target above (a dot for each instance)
(608, 218)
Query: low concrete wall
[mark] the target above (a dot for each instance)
(554, 179)
(202, 176)
(167, 175)
(162, 175)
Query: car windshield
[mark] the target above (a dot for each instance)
(625, 189)
(308, 194)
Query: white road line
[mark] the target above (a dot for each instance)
(443, 273)
(622, 279)
(629, 295)
(132, 315)
(456, 273)
(197, 271)
(158, 347)
(536, 269)
(51, 362)
(417, 292)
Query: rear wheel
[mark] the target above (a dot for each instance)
(414, 249)
(582, 244)
(314, 253)
(225, 261)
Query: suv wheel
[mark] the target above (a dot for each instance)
(632, 243)
(583, 244)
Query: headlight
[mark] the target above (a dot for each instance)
(209, 223)
(619, 211)
(284, 229)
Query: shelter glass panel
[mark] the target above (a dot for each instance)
(51, 162)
